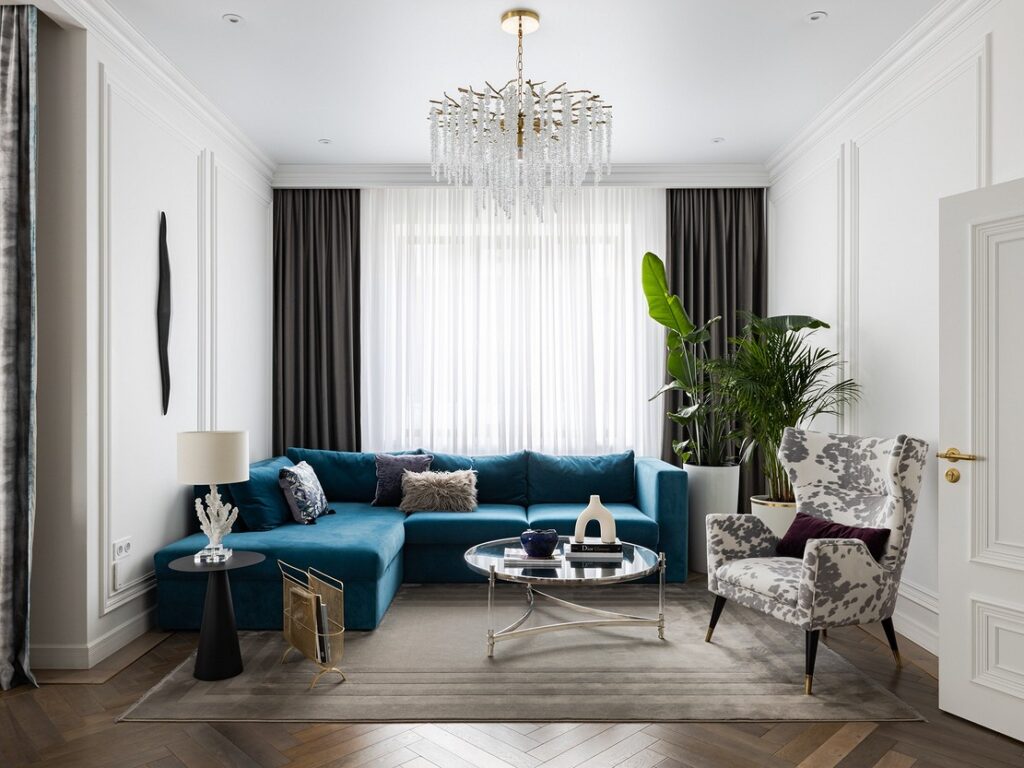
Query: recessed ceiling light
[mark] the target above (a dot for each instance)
(718, 140)
(814, 16)
(232, 18)
(325, 141)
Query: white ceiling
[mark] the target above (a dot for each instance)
(678, 72)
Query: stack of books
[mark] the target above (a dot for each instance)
(515, 557)
(594, 552)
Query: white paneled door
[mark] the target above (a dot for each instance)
(981, 496)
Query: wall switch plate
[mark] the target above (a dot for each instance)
(118, 570)
(122, 548)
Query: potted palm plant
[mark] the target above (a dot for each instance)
(708, 451)
(777, 379)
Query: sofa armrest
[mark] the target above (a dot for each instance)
(661, 495)
(843, 584)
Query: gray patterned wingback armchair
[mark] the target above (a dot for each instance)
(867, 482)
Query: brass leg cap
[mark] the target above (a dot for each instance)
(808, 681)
(898, 659)
(707, 637)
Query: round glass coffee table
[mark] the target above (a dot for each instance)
(637, 562)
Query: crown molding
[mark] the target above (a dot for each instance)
(374, 175)
(101, 19)
(936, 28)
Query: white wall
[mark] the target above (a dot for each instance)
(854, 221)
(120, 142)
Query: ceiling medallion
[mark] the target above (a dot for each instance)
(515, 140)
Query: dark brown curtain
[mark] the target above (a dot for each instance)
(316, 319)
(717, 263)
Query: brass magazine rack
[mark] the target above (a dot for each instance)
(314, 617)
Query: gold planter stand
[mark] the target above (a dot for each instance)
(314, 618)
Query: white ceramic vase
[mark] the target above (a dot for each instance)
(777, 515)
(596, 511)
(710, 490)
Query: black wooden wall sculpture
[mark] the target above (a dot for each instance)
(163, 312)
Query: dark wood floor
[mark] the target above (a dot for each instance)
(73, 725)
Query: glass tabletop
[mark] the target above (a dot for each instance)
(636, 563)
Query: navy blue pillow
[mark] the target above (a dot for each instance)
(574, 479)
(260, 500)
(344, 476)
(500, 479)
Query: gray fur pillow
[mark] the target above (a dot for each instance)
(439, 491)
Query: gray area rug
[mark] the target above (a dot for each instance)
(427, 662)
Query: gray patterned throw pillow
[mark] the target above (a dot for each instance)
(390, 469)
(439, 491)
(303, 492)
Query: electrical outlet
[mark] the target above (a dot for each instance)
(122, 548)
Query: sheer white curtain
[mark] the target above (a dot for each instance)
(482, 334)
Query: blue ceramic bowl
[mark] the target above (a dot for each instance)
(539, 543)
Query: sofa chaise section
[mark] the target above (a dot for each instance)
(359, 544)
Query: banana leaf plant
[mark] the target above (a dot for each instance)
(705, 415)
(776, 379)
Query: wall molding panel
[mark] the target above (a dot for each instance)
(110, 89)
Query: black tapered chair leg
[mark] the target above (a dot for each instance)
(811, 650)
(890, 635)
(716, 613)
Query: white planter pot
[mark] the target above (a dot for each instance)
(777, 515)
(711, 490)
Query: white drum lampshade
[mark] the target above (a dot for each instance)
(213, 458)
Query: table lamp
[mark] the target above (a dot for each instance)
(212, 458)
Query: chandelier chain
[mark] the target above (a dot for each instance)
(519, 66)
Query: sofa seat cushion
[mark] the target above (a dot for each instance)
(777, 578)
(357, 543)
(631, 524)
(486, 523)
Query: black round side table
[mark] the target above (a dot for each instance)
(218, 656)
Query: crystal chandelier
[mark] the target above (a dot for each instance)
(515, 140)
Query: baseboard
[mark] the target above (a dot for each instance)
(87, 656)
(917, 616)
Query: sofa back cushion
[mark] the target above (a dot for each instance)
(344, 476)
(573, 479)
(261, 502)
(500, 479)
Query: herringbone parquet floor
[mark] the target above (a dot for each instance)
(73, 726)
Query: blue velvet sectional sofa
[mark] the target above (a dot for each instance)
(374, 549)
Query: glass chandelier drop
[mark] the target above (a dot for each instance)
(516, 140)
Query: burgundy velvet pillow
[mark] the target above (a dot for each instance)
(806, 527)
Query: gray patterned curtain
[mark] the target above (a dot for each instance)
(316, 319)
(17, 334)
(717, 263)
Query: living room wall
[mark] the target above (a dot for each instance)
(854, 218)
(122, 141)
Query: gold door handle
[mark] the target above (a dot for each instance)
(953, 455)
